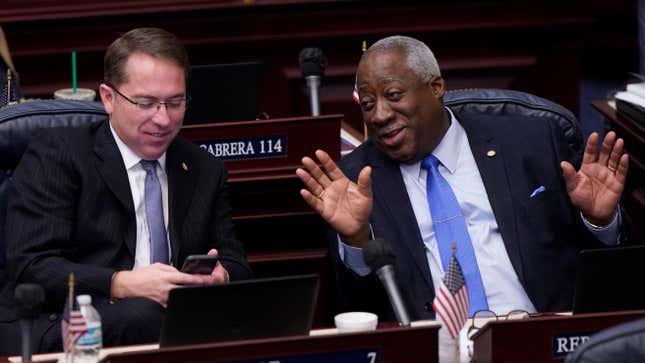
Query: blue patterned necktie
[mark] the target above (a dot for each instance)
(449, 225)
(154, 214)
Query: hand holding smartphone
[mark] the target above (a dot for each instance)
(199, 264)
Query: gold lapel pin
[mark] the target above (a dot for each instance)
(184, 166)
(491, 153)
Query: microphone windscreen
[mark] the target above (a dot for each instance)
(378, 253)
(30, 298)
(312, 62)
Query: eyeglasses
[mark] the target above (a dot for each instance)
(482, 317)
(173, 105)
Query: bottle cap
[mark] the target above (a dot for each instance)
(84, 299)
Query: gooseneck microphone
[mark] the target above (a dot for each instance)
(378, 255)
(312, 65)
(30, 298)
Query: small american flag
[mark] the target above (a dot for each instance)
(355, 95)
(451, 302)
(73, 324)
(355, 92)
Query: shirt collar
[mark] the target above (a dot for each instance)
(450, 145)
(131, 159)
(448, 150)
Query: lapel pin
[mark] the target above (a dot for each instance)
(491, 153)
(184, 166)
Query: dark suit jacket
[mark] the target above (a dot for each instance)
(71, 210)
(541, 234)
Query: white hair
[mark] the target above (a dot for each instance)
(419, 57)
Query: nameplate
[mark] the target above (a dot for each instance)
(246, 147)
(564, 344)
(351, 356)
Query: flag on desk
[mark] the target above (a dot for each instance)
(73, 325)
(451, 301)
(355, 92)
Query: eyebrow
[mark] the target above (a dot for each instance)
(179, 95)
(381, 81)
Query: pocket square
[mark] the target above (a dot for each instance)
(537, 191)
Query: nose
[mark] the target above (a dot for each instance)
(161, 117)
(383, 113)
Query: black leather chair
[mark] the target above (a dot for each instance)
(623, 343)
(508, 102)
(17, 125)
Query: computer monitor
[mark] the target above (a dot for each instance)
(610, 279)
(222, 92)
(250, 309)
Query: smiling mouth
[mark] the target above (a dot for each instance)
(393, 136)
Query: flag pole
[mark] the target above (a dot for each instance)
(364, 48)
(70, 299)
(8, 85)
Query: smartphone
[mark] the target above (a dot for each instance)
(199, 264)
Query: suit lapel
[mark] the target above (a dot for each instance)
(489, 154)
(111, 168)
(389, 187)
(182, 176)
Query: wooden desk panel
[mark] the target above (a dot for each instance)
(531, 46)
(281, 234)
(530, 340)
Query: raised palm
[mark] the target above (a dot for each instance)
(345, 205)
(596, 188)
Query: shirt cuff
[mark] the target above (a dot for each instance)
(352, 257)
(608, 234)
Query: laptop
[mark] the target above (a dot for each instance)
(250, 309)
(610, 279)
(222, 92)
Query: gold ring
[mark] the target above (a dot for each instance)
(320, 196)
(611, 168)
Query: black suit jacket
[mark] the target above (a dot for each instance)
(71, 210)
(542, 235)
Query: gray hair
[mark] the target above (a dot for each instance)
(419, 57)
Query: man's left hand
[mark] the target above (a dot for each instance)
(596, 188)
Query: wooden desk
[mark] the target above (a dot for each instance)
(384, 345)
(281, 234)
(634, 194)
(541, 339)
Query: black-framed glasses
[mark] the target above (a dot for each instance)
(176, 104)
(481, 317)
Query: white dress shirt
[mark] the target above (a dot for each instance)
(137, 179)
(504, 291)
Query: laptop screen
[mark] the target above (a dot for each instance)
(222, 92)
(249, 309)
(610, 279)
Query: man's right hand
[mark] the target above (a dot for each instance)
(154, 282)
(345, 205)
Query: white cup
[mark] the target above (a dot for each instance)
(355, 321)
(83, 94)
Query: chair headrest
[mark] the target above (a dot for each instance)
(19, 122)
(508, 102)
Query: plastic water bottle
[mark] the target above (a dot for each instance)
(89, 344)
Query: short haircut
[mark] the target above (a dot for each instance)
(419, 57)
(154, 42)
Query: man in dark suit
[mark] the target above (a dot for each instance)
(121, 203)
(523, 208)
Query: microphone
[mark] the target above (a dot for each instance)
(312, 65)
(30, 298)
(378, 255)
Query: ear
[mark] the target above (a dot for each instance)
(438, 86)
(107, 97)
